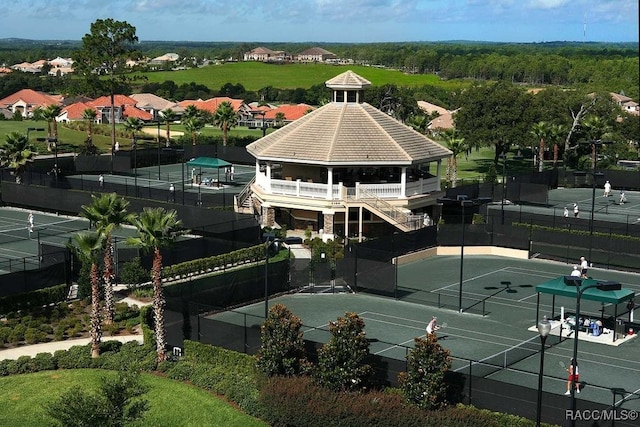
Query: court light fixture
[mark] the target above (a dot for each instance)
(544, 328)
(603, 286)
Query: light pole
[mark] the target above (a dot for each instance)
(596, 145)
(181, 151)
(268, 237)
(464, 201)
(504, 185)
(158, 150)
(135, 163)
(603, 286)
(544, 327)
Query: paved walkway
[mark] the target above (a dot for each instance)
(52, 347)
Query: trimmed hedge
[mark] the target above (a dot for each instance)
(38, 298)
(219, 262)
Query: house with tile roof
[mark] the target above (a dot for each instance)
(154, 104)
(120, 102)
(626, 103)
(443, 119)
(74, 112)
(316, 54)
(211, 105)
(345, 169)
(264, 54)
(26, 100)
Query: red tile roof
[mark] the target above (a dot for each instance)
(291, 111)
(31, 97)
(212, 104)
(104, 101)
(133, 111)
(76, 110)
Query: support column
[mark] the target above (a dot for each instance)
(438, 174)
(268, 215)
(360, 223)
(329, 183)
(346, 223)
(403, 182)
(328, 225)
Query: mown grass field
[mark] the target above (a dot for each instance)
(23, 399)
(257, 75)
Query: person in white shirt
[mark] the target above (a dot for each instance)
(432, 327)
(576, 272)
(584, 265)
(607, 189)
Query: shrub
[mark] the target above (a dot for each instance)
(341, 361)
(134, 274)
(424, 382)
(77, 357)
(282, 348)
(118, 402)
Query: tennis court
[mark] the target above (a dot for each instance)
(500, 338)
(20, 243)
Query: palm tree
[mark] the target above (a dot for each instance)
(457, 146)
(193, 125)
(52, 111)
(419, 123)
(595, 128)
(16, 154)
(157, 228)
(89, 114)
(556, 134)
(542, 131)
(225, 117)
(192, 111)
(279, 119)
(169, 116)
(87, 246)
(36, 113)
(108, 212)
(133, 125)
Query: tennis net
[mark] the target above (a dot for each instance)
(49, 229)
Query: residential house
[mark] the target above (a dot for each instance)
(316, 54)
(26, 100)
(120, 103)
(345, 169)
(266, 55)
(443, 119)
(154, 104)
(74, 112)
(211, 105)
(288, 112)
(626, 103)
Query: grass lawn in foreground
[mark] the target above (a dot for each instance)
(172, 403)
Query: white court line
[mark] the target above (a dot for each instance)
(469, 280)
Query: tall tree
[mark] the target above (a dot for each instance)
(225, 117)
(194, 125)
(133, 125)
(457, 146)
(498, 114)
(53, 111)
(89, 114)
(169, 116)
(108, 212)
(87, 246)
(16, 154)
(542, 131)
(156, 229)
(105, 51)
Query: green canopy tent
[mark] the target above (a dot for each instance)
(208, 163)
(562, 286)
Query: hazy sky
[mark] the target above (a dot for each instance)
(330, 20)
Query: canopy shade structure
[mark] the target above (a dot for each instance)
(559, 287)
(565, 286)
(208, 162)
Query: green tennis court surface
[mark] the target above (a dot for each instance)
(500, 337)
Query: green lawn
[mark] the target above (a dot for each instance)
(172, 403)
(257, 75)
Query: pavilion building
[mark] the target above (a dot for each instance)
(346, 169)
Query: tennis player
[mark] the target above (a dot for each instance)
(432, 327)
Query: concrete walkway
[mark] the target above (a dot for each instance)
(52, 347)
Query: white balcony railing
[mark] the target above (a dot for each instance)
(299, 188)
